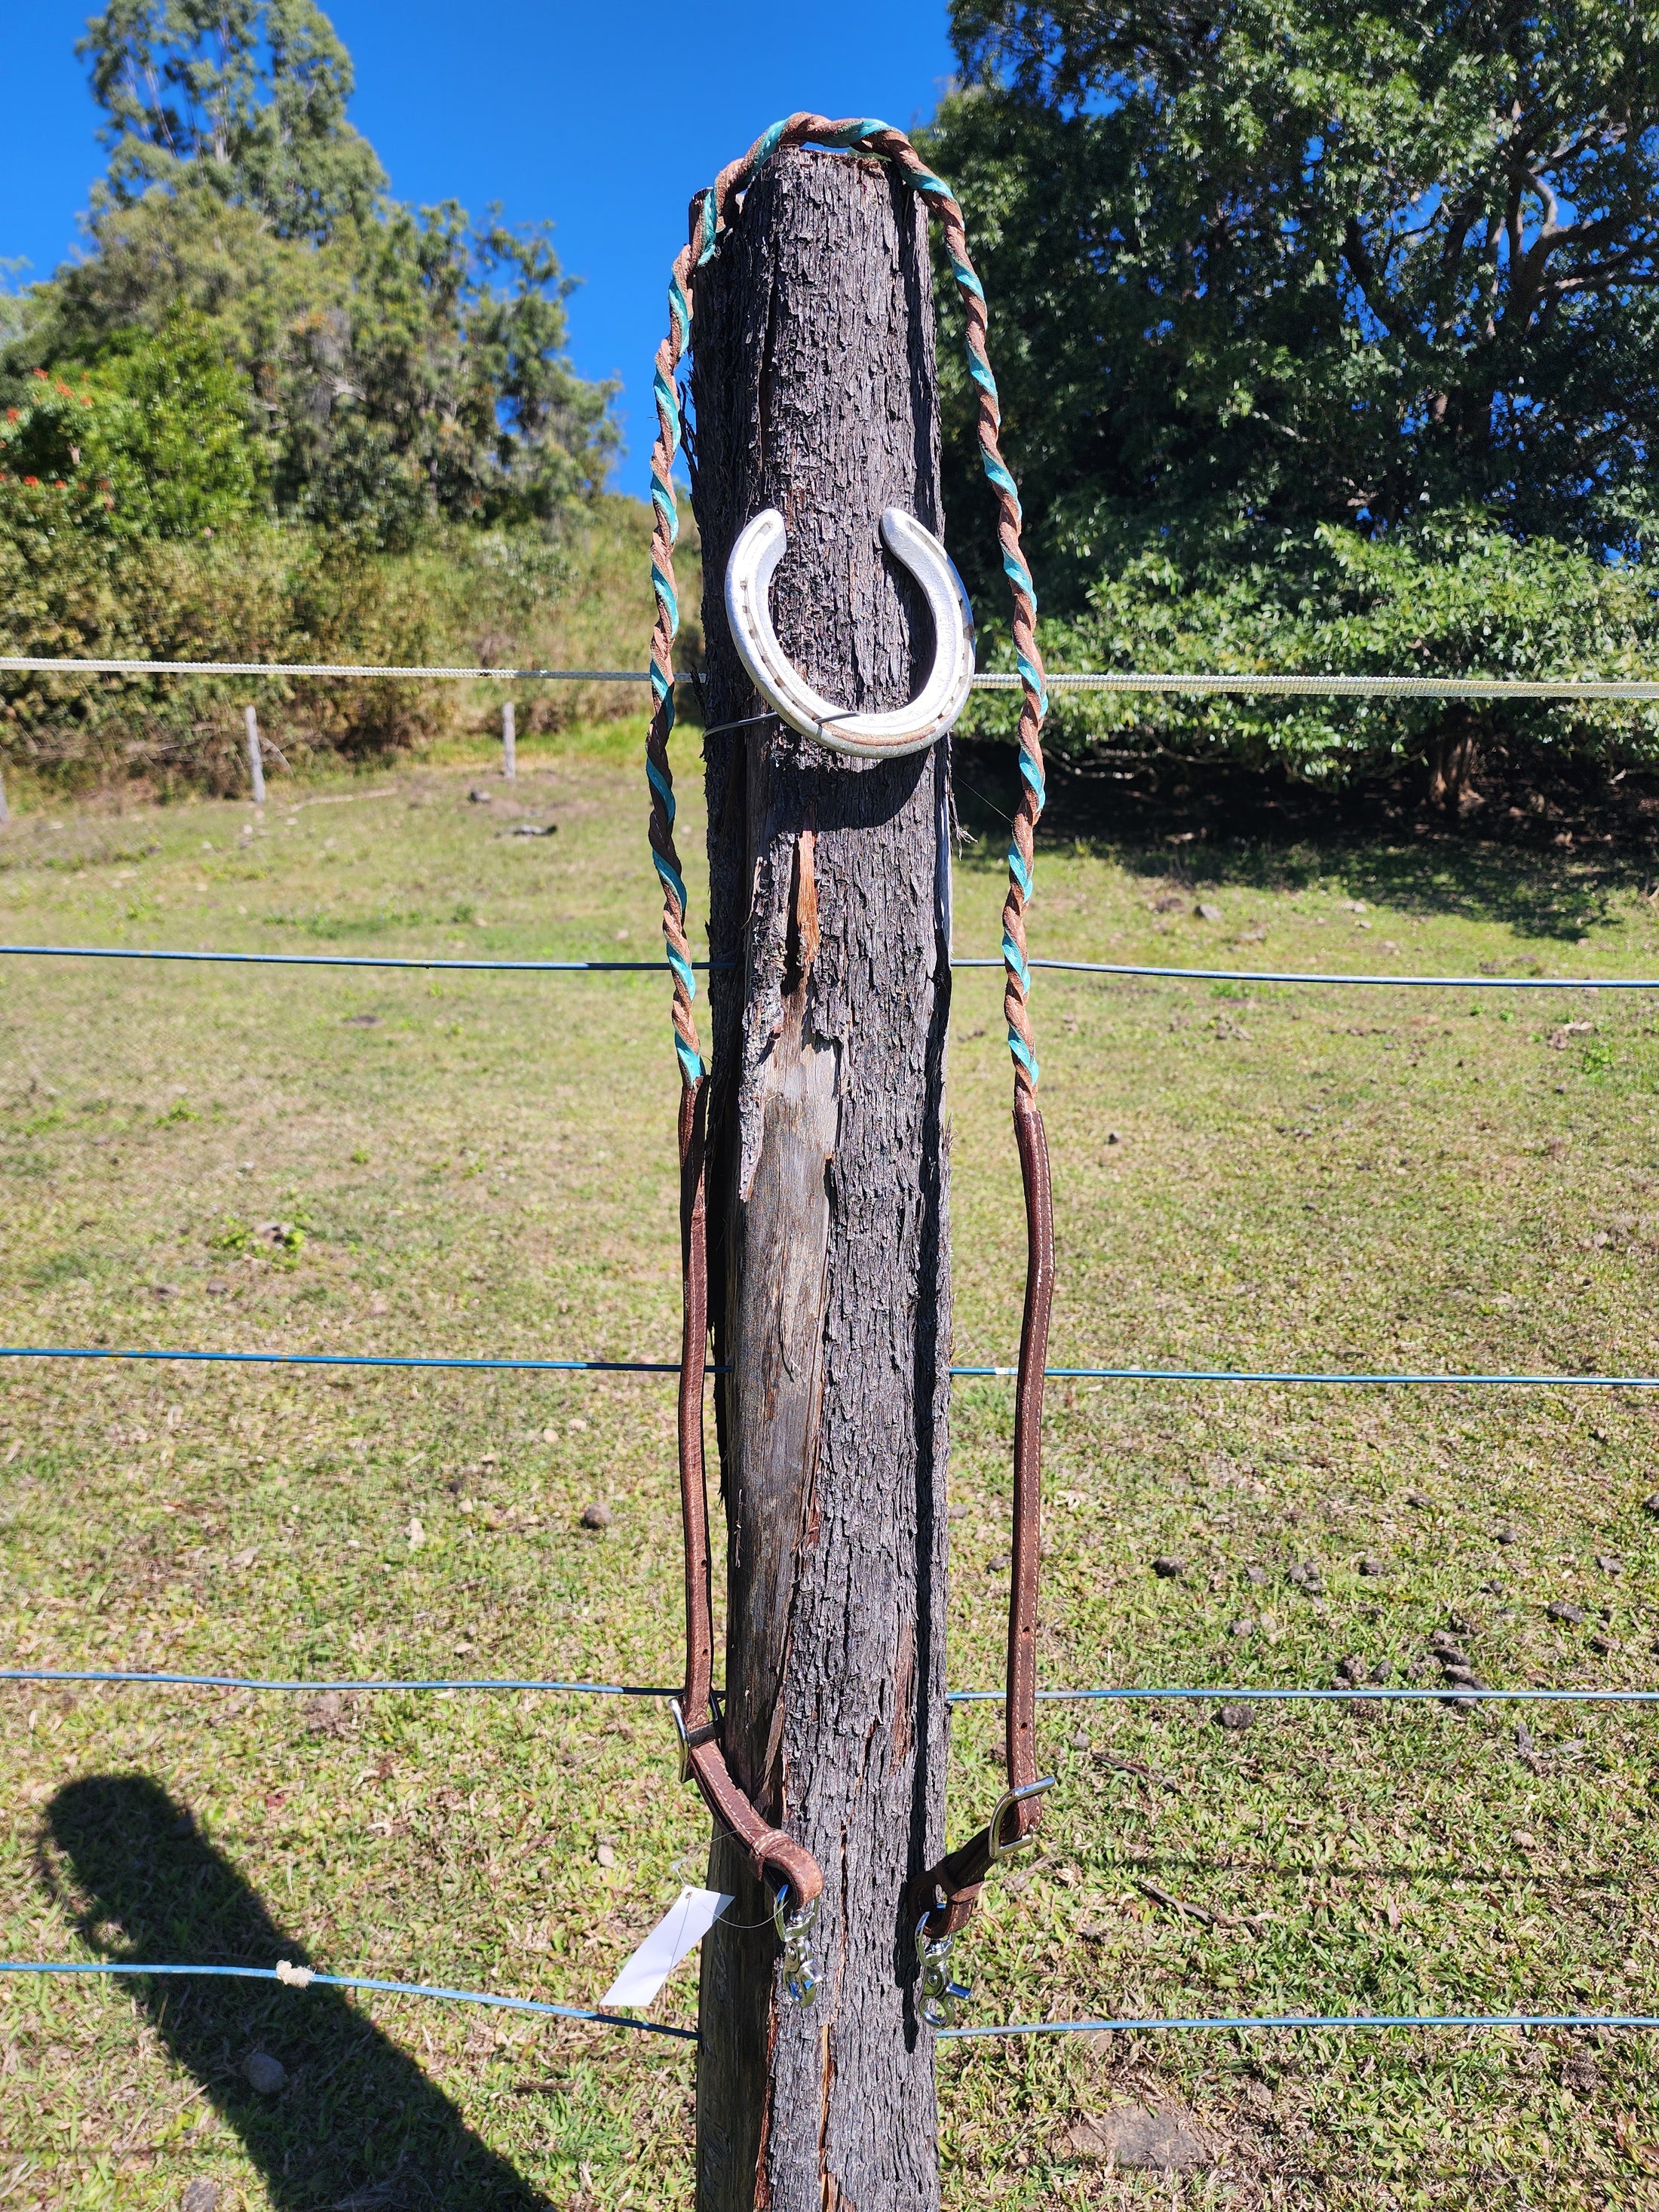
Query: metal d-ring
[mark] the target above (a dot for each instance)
(775, 676)
(996, 1848)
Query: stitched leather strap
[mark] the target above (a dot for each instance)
(947, 1893)
(774, 1856)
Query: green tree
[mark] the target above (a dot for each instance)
(407, 367)
(1280, 267)
(248, 96)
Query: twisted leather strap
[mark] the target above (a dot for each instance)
(945, 1897)
(775, 1856)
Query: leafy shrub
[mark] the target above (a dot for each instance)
(151, 439)
(1446, 597)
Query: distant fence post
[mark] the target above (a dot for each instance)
(256, 767)
(509, 742)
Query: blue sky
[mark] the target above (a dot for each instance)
(606, 121)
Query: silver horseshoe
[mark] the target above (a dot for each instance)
(780, 683)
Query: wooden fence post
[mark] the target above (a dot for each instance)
(256, 767)
(509, 742)
(814, 384)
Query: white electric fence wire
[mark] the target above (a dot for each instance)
(1249, 683)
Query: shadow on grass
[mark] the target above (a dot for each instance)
(357, 2123)
(1545, 852)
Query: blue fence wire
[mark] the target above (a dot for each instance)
(1225, 2023)
(350, 1982)
(344, 960)
(1250, 2023)
(1321, 1377)
(1221, 1693)
(1239, 2024)
(660, 967)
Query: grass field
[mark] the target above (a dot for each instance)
(1252, 1176)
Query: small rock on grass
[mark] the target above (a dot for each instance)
(1165, 2141)
(1560, 1610)
(1652, 1505)
(1236, 1716)
(1523, 1742)
(480, 797)
(201, 2196)
(1207, 911)
(598, 1514)
(1370, 1564)
(1168, 1567)
(1610, 1562)
(263, 2074)
(1509, 1534)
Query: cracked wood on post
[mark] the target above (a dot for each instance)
(814, 384)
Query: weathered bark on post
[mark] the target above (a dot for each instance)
(814, 385)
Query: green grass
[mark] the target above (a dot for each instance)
(1257, 1177)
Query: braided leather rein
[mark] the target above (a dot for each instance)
(943, 1897)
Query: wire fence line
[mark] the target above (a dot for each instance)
(1254, 683)
(303, 1978)
(1453, 1694)
(341, 960)
(1221, 1693)
(208, 956)
(1290, 1377)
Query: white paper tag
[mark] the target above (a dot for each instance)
(681, 1929)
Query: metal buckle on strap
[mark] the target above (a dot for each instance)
(800, 1976)
(678, 1718)
(940, 1996)
(691, 1740)
(995, 1848)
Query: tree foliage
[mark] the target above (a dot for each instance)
(401, 367)
(248, 96)
(151, 443)
(1276, 276)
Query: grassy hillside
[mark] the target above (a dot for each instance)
(474, 1164)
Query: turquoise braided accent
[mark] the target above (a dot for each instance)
(998, 472)
(1024, 1055)
(1033, 775)
(682, 968)
(664, 691)
(680, 311)
(664, 500)
(1016, 961)
(1020, 872)
(966, 278)
(706, 220)
(1017, 575)
(666, 597)
(980, 370)
(1031, 676)
(671, 878)
(924, 180)
(660, 783)
(767, 145)
(669, 400)
(691, 1062)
